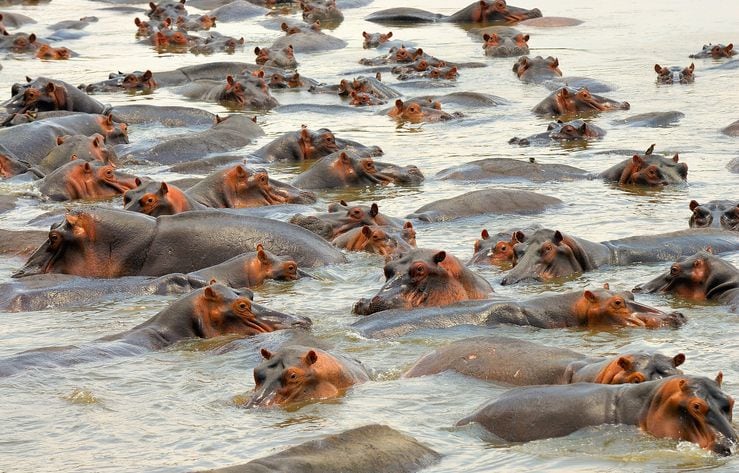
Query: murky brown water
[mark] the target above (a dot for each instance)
(175, 410)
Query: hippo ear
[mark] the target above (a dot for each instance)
(678, 359)
(378, 76)
(606, 286)
(209, 293)
(691, 67)
(399, 104)
(365, 34)
(345, 157)
(709, 249)
(343, 203)
(374, 210)
(311, 357)
(583, 128)
(636, 159)
(218, 119)
(683, 385)
(32, 38)
(625, 363)
(256, 50)
(693, 204)
(650, 150)
(262, 255)
(152, 5)
(163, 188)
(676, 158)
(408, 225)
(719, 378)
(555, 63)
(366, 231)
(147, 75)
(486, 36)
(390, 35)
(518, 237)
(266, 354)
(254, 119)
(86, 166)
(240, 171)
(439, 257)
(50, 87)
(558, 237)
(137, 181)
(564, 92)
(109, 119)
(74, 157)
(526, 37)
(230, 80)
(59, 140)
(284, 26)
(657, 68)
(590, 296)
(484, 234)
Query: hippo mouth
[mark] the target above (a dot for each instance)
(645, 316)
(40, 262)
(267, 320)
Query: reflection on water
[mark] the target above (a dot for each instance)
(179, 410)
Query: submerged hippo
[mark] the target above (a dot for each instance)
(514, 361)
(553, 254)
(299, 374)
(366, 449)
(308, 144)
(107, 243)
(136, 80)
(566, 100)
(44, 94)
(483, 11)
(497, 252)
(497, 44)
(282, 58)
(81, 179)
(565, 132)
(346, 169)
(343, 217)
(699, 277)
(388, 242)
(375, 40)
(156, 198)
(486, 201)
(86, 148)
(424, 278)
(239, 187)
(594, 309)
(537, 69)
(688, 408)
(506, 169)
(213, 311)
(715, 51)
(242, 93)
(416, 113)
(649, 169)
(716, 214)
(675, 74)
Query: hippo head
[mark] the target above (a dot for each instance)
(293, 374)
(373, 239)
(719, 50)
(574, 130)
(266, 265)
(23, 43)
(361, 99)
(606, 308)
(155, 199)
(233, 91)
(114, 132)
(639, 173)
(549, 256)
(418, 279)
(694, 409)
(528, 68)
(139, 81)
(47, 52)
(448, 73)
(503, 46)
(168, 9)
(403, 54)
(10, 166)
(674, 75)
(701, 216)
(92, 180)
(500, 253)
(373, 40)
(318, 144)
(640, 367)
(220, 310)
(697, 277)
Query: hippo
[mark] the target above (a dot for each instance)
(553, 254)
(213, 71)
(688, 408)
(45, 94)
(21, 243)
(401, 55)
(239, 187)
(45, 291)
(244, 92)
(227, 134)
(166, 9)
(369, 85)
(716, 214)
(367, 449)
(295, 81)
(537, 69)
(32, 142)
(482, 11)
(307, 40)
(375, 40)
(195, 22)
(215, 42)
(114, 243)
(15, 20)
(463, 99)
(652, 119)
(10, 165)
(499, 45)
(80, 179)
(567, 100)
(434, 73)
(648, 169)
(563, 132)
(731, 130)
(50, 53)
(213, 311)
(496, 252)
(416, 113)
(699, 277)
(424, 278)
(133, 81)
(307, 144)
(348, 169)
(297, 374)
(675, 74)
(485, 201)
(715, 51)
(594, 309)
(20, 43)
(159, 198)
(518, 362)
(283, 58)
(86, 148)
(375, 239)
(237, 10)
(342, 217)
(326, 12)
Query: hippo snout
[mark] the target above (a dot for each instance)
(676, 319)
(722, 447)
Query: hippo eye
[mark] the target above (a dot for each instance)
(618, 303)
(674, 270)
(293, 376)
(150, 200)
(243, 306)
(291, 267)
(126, 200)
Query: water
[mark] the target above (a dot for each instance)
(178, 410)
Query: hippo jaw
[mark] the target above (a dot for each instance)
(280, 321)
(40, 262)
